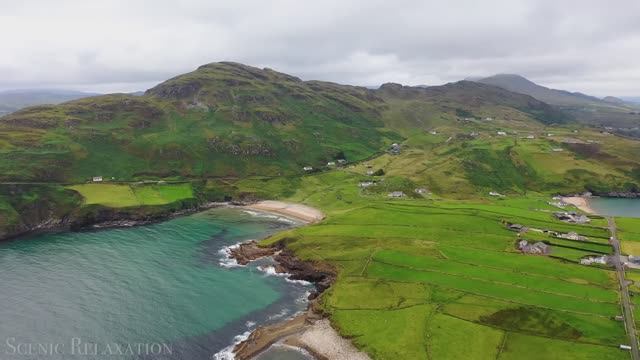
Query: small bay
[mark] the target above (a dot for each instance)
(615, 206)
(159, 291)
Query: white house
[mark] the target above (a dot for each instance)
(331, 163)
(502, 133)
(97, 179)
(307, 168)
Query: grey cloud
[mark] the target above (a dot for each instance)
(588, 46)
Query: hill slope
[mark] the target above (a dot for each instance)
(587, 109)
(223, 119)
(232, 120)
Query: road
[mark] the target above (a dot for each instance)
(627, 310)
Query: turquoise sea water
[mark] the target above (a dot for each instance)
(157, 292)
(615, 206)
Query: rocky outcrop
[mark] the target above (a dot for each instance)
(249, 251)
(322, 275)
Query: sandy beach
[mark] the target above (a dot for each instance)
(323, 342)
(580, 202)
(300, 212)
(306, 331)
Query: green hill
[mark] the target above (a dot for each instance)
(227, 128)
(233, 120)
(223, 119)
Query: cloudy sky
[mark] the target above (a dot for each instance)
(127, 45)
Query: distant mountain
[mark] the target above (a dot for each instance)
(13, 100)
(609, 111)
(614, 100)
(632, 99)
(520, 84)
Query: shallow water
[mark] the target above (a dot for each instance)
(157, 291)
(615, 206)
(277, 352)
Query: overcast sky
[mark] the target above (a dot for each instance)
(127, 45)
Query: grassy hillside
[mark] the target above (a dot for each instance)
(223, 119)
(228, 122)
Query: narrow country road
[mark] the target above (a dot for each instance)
(624, 291)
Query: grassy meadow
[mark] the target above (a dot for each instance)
(128, 195)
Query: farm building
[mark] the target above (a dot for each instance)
(602, 260)
(420, 191)
(572, 217)
(97, 179)
(494, 193)
(572, 236)
(366, 184)
(538, 248)
(396, 194)
(331, 163)
(307, 168)
(517, 227)
(501, 133)
(394, 149)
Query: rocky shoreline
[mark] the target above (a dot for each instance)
(107, 218)
(310, 330)
(321, 275)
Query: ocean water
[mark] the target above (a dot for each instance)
(163, 291)
(615, 206)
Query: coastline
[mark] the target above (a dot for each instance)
(108, 218)
(309, 331)
(580, 202)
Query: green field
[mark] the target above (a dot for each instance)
(126, 195)
(441, 279)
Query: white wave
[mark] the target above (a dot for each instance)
(250, 324)
(301, 282)
(304, 298)
(281, 314)
(227, 259)
(227, 353)
(270, 216)
(270, 270)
